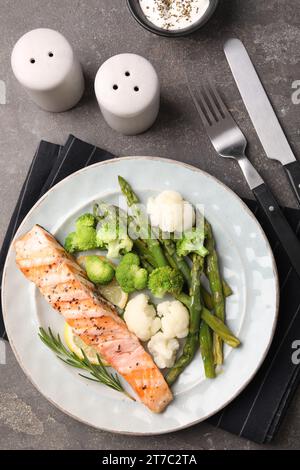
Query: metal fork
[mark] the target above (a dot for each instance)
(226, 137)
(229, 142)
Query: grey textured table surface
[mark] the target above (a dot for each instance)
(99, 29)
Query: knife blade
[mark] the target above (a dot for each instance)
(261, 111)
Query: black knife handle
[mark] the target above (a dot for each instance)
(283, 230)
(293, 171)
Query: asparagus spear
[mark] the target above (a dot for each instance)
(170, 260)
(128, 192)
(206, 348)
(213, 322)
(216, 287)
(146, 259)
(146, 265)
(142, 250)
(219, 328)
(227, 291)
(176, 261)
(195, 307)
(207, 298)
(145, 231)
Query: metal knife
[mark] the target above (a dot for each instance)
(261, 111)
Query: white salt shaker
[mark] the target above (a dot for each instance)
(128, 93)
(43, 62)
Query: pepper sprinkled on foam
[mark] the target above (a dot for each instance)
(174, 14)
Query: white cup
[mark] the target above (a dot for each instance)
(128, 93)
(44, 63)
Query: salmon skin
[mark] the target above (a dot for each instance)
(65, 286)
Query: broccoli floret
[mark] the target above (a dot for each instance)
(71, 243)
(117, 247)
(192, 242)
(130, 275)
(131, 278)
(140, 279)
(99, 271)
(131, 259)
(86, 220)
(82, 240)
(107, 232)
(116, 243)
(165, 280)
(86, 238)
(111, 235)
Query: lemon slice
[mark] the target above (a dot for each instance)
(75, 344)
(112, 291)
(114, 294)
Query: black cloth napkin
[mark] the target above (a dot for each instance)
(257, 412)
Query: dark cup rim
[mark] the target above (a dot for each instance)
(135, 10)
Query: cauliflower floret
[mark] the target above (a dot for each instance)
(140, 317)
(171, 212)
(163, 350)
(174, 319)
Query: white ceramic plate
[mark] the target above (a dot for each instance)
(247, 263)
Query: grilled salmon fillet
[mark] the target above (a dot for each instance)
(65, 286)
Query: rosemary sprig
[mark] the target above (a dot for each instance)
(98, 372)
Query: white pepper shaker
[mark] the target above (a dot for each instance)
(43, 62)
(128, 93)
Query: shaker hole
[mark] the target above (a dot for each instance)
(50, 54)
(32, 61)
(115, 87)
(136, 88)
(127, 74)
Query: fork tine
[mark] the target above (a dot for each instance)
(205, 104)
(219, 101)
(198, 107)
(212, 104)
